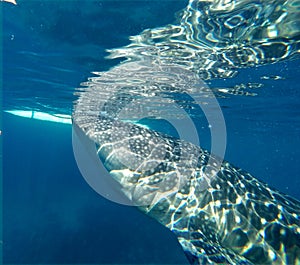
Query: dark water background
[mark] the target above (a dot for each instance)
(50, 214)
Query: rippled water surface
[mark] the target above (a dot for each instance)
(245, 52)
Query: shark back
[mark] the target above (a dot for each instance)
(228, 217)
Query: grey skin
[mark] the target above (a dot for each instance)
(221, 216)
(232, 218)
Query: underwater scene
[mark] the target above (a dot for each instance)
(150, 132)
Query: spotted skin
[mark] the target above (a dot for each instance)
(224, 218)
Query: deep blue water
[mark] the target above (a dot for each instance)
(50, 214)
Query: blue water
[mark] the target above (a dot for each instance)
(50, 214)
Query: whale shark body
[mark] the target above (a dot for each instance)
(232, 218)
(220, 213)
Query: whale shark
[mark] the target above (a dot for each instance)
(220, 214)
(231, 218)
